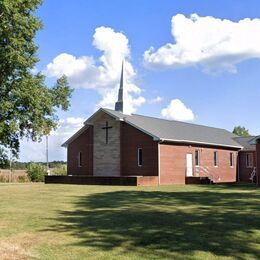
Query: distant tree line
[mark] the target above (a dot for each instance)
(16, 165)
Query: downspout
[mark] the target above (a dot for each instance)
(159, 163)
(238, 166)
(257, 163)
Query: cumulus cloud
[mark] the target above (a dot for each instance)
(155, 100)
(34, 151)
(214, 44)
(101, 74)
(178, 111)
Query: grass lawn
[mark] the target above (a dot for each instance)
(40, 221)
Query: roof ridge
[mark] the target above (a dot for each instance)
(250, 136)
(182, 122)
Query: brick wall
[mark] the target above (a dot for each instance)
(119, 156)
(84, 144)
(258, 162)
(131, 140)
(173, 164)
(147, 181)
(244, 171)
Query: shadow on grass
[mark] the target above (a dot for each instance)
(167, 224)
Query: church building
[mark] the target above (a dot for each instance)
(116, 148)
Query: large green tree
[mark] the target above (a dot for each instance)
(28, 108)
(241, 131)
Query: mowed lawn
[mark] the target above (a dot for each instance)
(40, 221)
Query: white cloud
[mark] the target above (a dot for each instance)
(155, 100)
(214, 44)
(103, 74)
(34, 151)
(178, 111)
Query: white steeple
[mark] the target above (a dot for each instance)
(119, 106)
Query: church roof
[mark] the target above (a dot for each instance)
(254, 140)
(245, 141)
(172, 131)
(176, 131)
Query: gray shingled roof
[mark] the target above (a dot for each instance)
(245, 142)
(176, 131)
(255, 140)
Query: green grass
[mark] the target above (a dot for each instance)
(40, 221)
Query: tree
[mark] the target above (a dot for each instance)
(27, 106)
(4, 162)
(241, 131)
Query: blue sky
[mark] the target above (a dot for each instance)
(220, 89)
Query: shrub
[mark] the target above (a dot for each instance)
(36, 172)
(61, 169)
(3, 178)
(22, 178)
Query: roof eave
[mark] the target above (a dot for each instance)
(73, 137)
(254, 140)
(201, 143)
(155, 138)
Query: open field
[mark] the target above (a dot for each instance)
(40, 221)
(18, 175)
(14, 176)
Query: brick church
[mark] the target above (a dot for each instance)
(116, 148)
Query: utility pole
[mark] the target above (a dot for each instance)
(47, 154)
(11, 166)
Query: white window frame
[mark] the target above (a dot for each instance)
(197, 165)
(138, 157)
(79, 159)
(231, 159)
(215, 162)
(251, 161)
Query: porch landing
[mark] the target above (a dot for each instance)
(103, 180)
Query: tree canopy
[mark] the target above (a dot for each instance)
(28, 108)
(241, 131)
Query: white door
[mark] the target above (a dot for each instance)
(189, 169)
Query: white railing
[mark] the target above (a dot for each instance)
(204, 171)
(252, 175)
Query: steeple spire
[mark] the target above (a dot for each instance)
(119, 106)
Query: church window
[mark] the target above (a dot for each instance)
(79, 159)
(215, 158)
(140, 156)
(249, 160)
(197, 158)
(231, 159)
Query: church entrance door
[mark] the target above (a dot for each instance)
(189, 168)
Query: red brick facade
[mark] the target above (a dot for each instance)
(84, 144)
(163, 163)
(258, 162)
(132, 139)
(244, 170)
(173, 164)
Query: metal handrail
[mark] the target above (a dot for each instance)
(205, 170)
(252, 175)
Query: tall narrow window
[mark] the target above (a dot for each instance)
(231, 159)
(215, 158)
(197, 158)
(79, 159)
(140, 156)
(249, 160)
